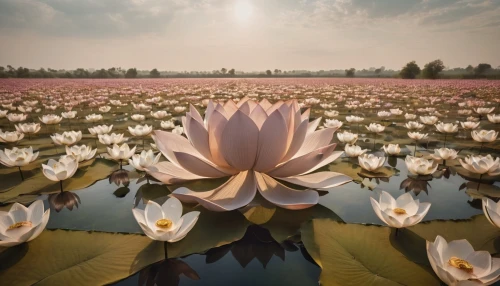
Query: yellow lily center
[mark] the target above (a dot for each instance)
(461, 264)
(164, 223)
(399, 211)
(20, 224)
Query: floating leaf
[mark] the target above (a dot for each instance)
(351, 254)
(358, 174)
(478, 231)
(78, 257)
(286, 223)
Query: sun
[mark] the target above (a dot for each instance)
(243, 10)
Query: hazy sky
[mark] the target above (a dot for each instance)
(247, 35)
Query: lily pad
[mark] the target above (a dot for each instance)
(93, 258)
(358, 174)
(347, 257)
(286, 223)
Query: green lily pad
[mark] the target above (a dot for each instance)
(358, 174)
(286, 223)
(478, 231)
(93, 258)
(351, 254)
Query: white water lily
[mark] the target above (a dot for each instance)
(494, 118)
(11, 136)
(492, 211)
(410, 116)
(16, 117)
(354, 119)
(401, 212)
(100, 129)
(93, 117)
(354, 150)
(25, 109)
(456, 263)
(331, 113)
(17, 157)
(179, 109)
(484, 135)
(481, 164)
(69, 114)
(21, 224)
(144, 160)
(392, 149)
(332, 123)
(67, 138)
(384, 114)
(28, 128)
(165, 222)
(469, 125)
(167, 124)
(142, 107)
(105, 108)
(159, 114)
(375, 127)
(81, 153)
(138, 117)
(178, 130)
(420, 166)
(347, 137)
(428, 120)
(110, 139)
(122, 152)
(446, 127)
(414, 125)
(60, 170)
(50, 119)
(444, 154)
(417, 135)
(140, 130)
(371, 162)
(473, 119)
(3, 113)
(484, 110)
(396, 111)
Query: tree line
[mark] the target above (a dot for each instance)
(432, 70)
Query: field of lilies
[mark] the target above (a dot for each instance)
(343, 181)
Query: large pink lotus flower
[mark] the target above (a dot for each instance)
(254, 143)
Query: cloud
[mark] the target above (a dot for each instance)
(95, 18)
(350, 13)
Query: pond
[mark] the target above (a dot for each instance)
(92, 236)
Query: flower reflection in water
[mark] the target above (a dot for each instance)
(415, 185)
(120, 177)
(167, 272)
(64, 199)
(256, 243)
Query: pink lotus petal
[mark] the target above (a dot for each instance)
(283, 196)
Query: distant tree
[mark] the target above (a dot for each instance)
(231, 72)
(378, 71)
(481, 69)
(350, 72)
(81, 73)
(22, 72)
(131, 73)
(223, 70)
(469, 69)
(432, 69)
(269, 72)
(410, 71)
(154, 73)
